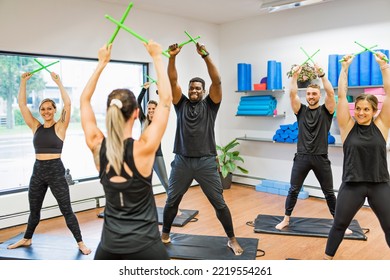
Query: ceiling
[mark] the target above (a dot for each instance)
(212, 11)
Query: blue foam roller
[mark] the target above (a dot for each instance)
(268, 183)
(261, 188)
(376, 74)
(365, 68)
(331, 139)
(303, 195)
(279, 131)
(332, 69)
(273, 190)
(284, 126)
(258, 97)
(271, 75)
(279, 75)
(289, 140)
(339, 57)
(248, 77)
(241, 76)
(353, 72)
(283, 192)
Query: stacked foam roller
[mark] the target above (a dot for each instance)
(278, 187)
(263, 105)
(363, 71)
(288, 133)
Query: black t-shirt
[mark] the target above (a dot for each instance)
(195, 127)
(313, 127)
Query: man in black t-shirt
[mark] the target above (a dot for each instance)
(314, 121)
(195, 148)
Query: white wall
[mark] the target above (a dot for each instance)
(331, 27)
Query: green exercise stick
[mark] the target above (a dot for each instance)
(124, 16)
(310, 57)
(41, 65)
(150, 78)
(383, 58)
(307, 55)
(132, 32)
(39, 69)
(341, 60)
(193, 40)
(186, 42)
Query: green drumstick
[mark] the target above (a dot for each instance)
(44, 67)
(132, 32)
(193, 40)
(383, 58)
(124, 16)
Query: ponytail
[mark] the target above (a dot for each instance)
(114, 143)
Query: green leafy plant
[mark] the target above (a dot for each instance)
(308, 72)
(226, 159)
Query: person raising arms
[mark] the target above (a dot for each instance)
(130, 229)
(365, 170)
(48, 167)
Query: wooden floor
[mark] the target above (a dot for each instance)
(245, 204)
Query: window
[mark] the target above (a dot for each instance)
(16, 149)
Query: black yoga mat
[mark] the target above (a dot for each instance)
(181, 220)
(203, 247)
(316, 227)
(47, 247)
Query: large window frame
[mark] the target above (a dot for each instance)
(24, 136)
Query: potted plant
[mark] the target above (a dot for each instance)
(307, 74)
(226, 162)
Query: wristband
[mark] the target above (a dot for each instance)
(205, 55)
(321, 76)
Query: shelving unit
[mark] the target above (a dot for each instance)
(257, 139)
(279, 116)
(267, 91)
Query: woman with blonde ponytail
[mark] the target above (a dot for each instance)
(130, 229)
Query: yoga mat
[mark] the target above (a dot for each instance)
(353, 72)
(179, 221)
(47, 247)
(365, 68)
(203, 247)
(332, 69)
(314, 227)
(255, 113)
(376, 74)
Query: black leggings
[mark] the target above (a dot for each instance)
(320, 164)
(161, 171)
(45, 173)
(350, 199)
(156, 251)
(204, 171)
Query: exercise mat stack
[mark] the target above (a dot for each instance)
(264, 105)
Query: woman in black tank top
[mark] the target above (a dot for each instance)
(365, 172)
(48, 142)
(130, 229)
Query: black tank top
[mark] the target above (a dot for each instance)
(130, 215)
(46, 141)
(365, 155)
(313, 127)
